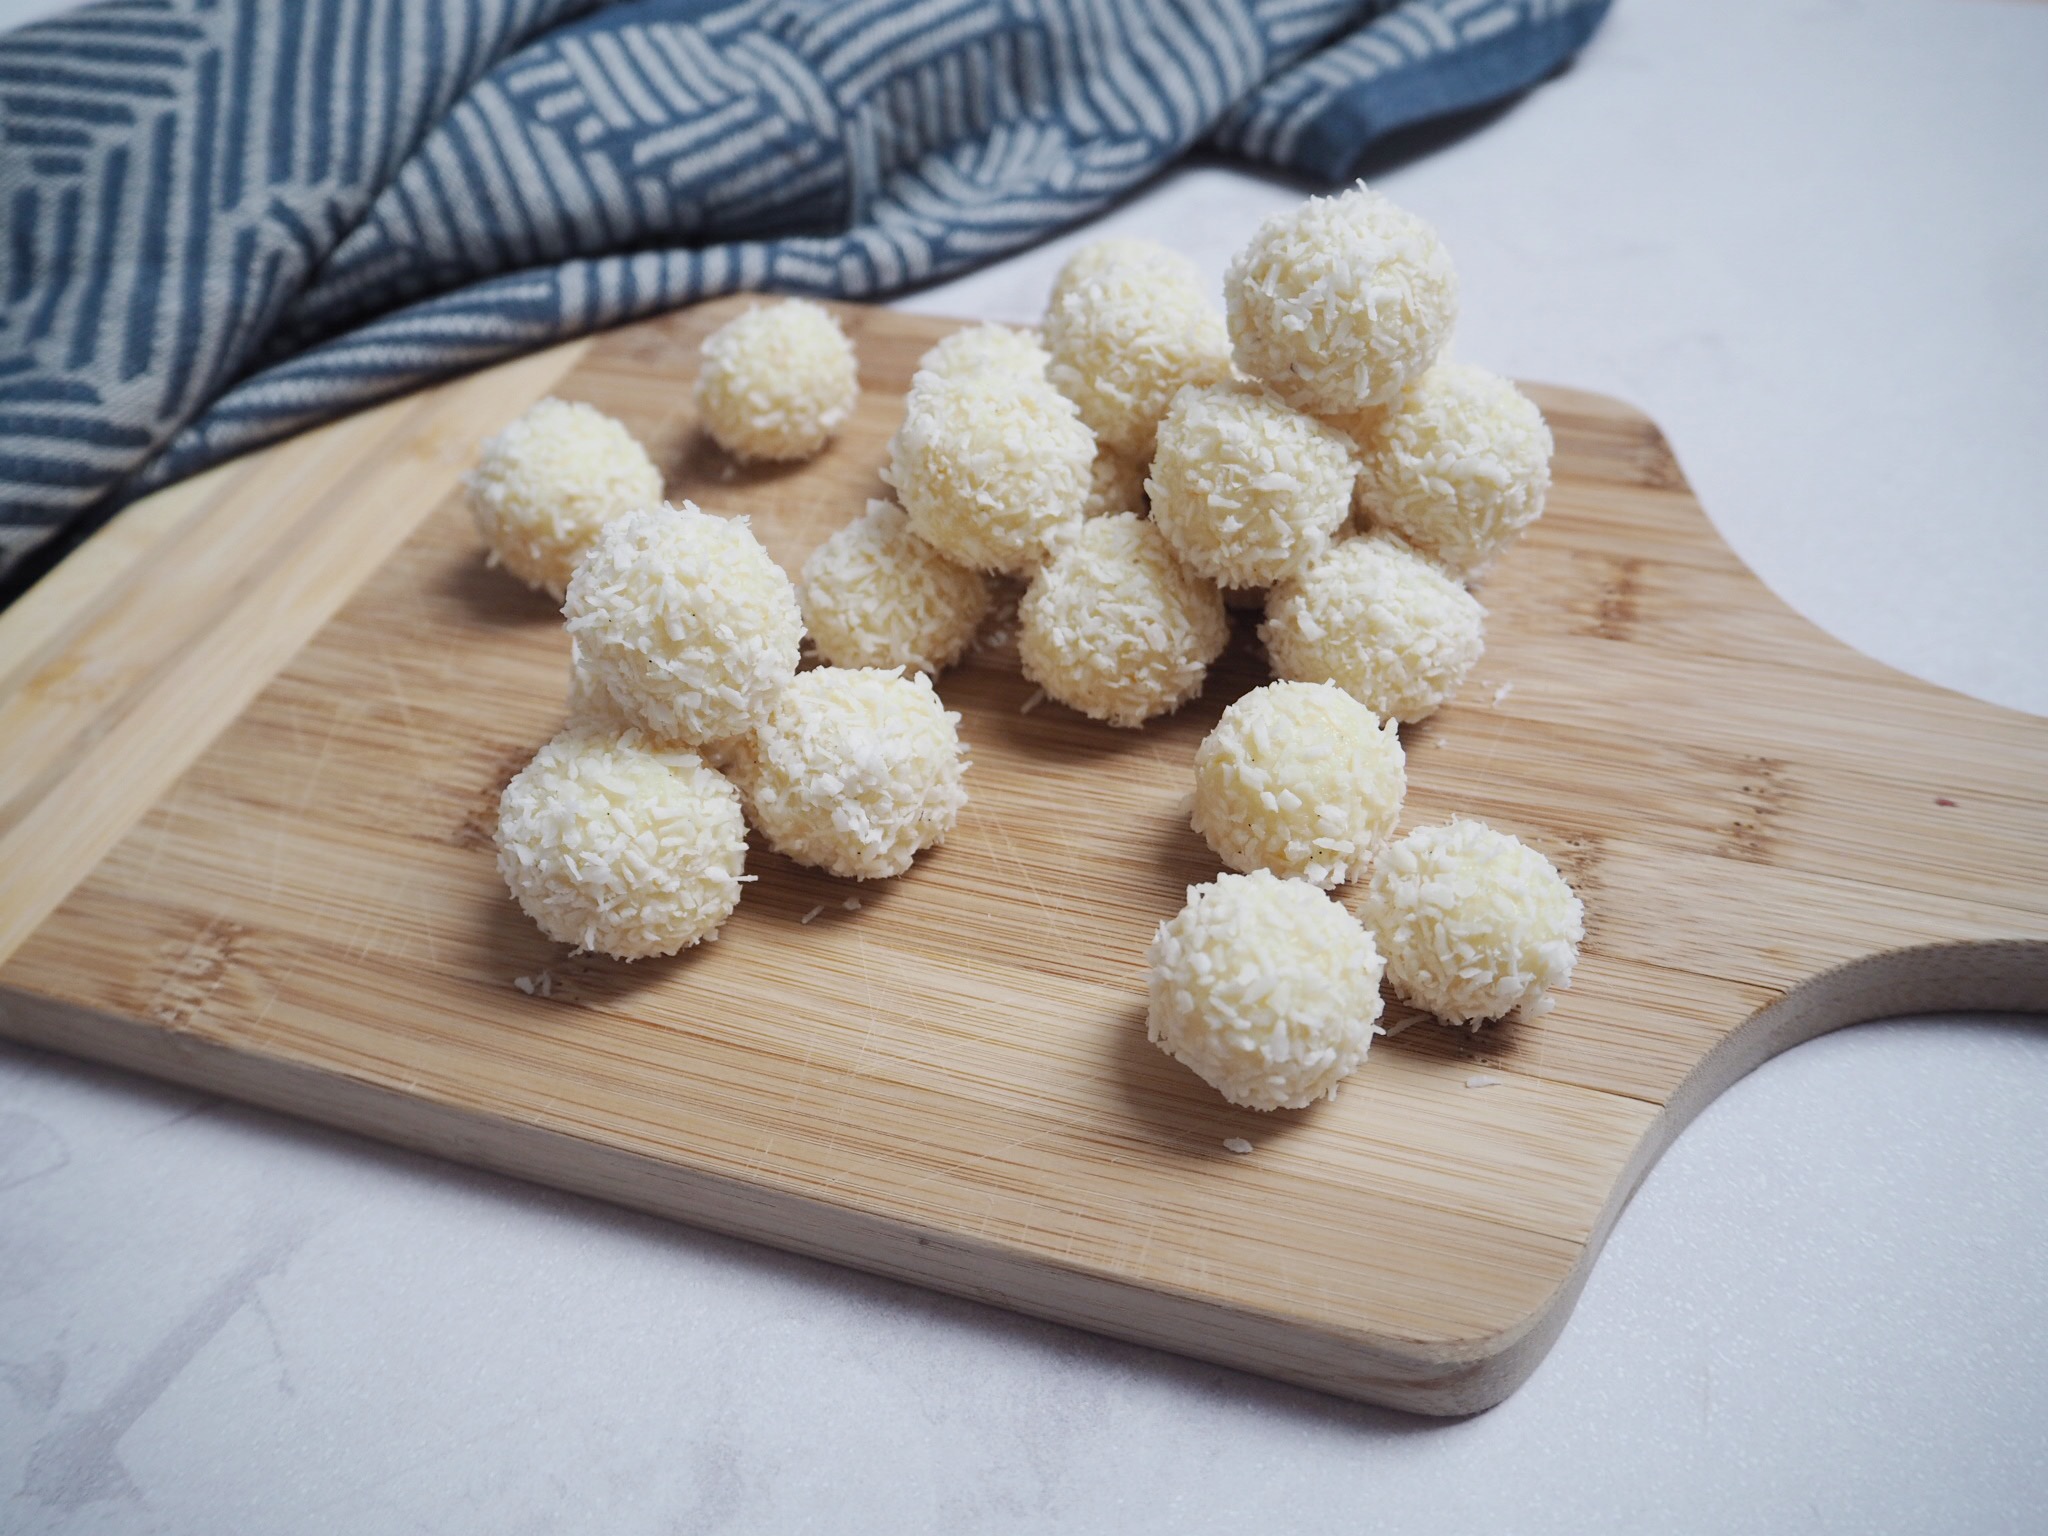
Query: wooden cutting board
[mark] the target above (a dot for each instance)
(951, 1083)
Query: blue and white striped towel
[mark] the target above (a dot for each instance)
(226, 220)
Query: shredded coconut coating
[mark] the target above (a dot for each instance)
(976, 347)
(1115, 627)
(592, 710)
(1115, 484)
(1266, 988)
(1300, 779)
(546, 484)
(876, 595)
(1458, 469)
(855, 771)
(684, 620)
(1124, 338)
(1247, 488)
(1099, 257)
(776, 381)
(1339, 303)
(1362, 427)
(990, 465)
(1474, 923)
(613, 845)
(1380, 622)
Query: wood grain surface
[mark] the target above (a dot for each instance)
(950, 1081)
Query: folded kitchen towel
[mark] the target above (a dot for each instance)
(226, 220)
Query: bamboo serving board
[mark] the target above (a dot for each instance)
(295, 903)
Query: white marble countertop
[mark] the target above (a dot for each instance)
(1812, 240)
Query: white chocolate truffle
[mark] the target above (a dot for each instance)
(613, 845)
(1266, 988)
(1247, 488)
(1458, 468)
(975, 347)
(1115, 627)
(855, 771)
(1115, 484)
(876, 595)
(1098, 257)
(684, 620)
(777, 381)
(1123, 342)
(1339, 303)
(1301, 779)
(1380, 622)
(593, 711)
(1474, 923)
(990, 465)
(546, 484)
(590, 708)
(1362, 427)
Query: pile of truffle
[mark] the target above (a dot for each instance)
(1314, 452)
(1143, 463)
(688, 717)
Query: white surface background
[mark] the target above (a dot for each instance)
(1812, 240)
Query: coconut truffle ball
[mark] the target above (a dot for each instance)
(1458, 468)
(1125, 338)
(1301, 779)
(1339, 303)
(1115, 484)
(1266, 988)
(1362, 427)
(855, 771)
(1247, 488)
(876, 595)
(684, 620)
(1474, 923)
(990, 465)
(976, 347)
(1115, 627)
(546, 484)
(592, 710)
(1380, 622)
(614, 845)
(1098, 257)
(776, 381)
(590, 707)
